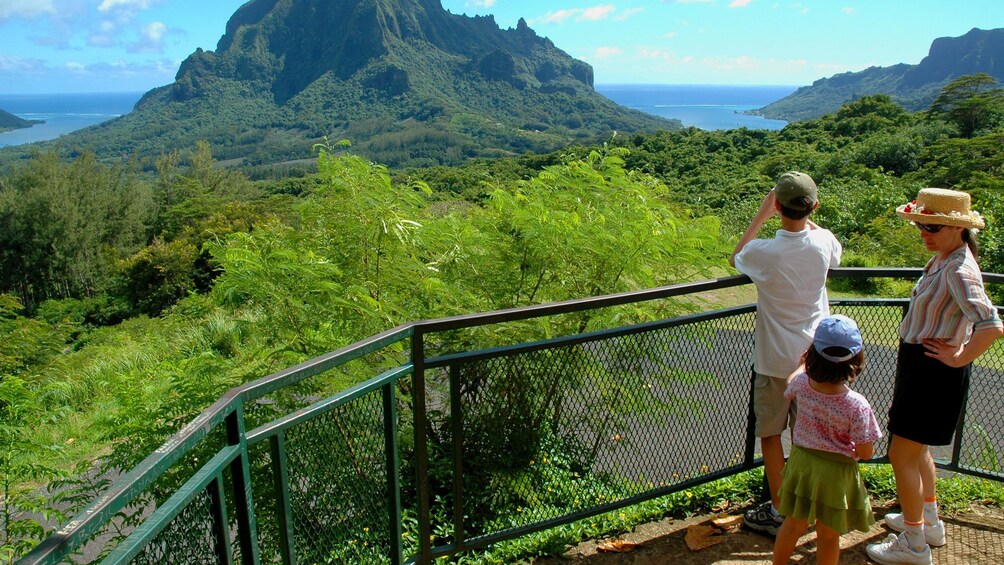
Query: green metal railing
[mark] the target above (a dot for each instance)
(451, 450)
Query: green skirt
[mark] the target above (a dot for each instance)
(826, 487)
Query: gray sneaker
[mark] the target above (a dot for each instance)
(896, 551)
(762, 519)
(934, 535)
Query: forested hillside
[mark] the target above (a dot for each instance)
(129, 300)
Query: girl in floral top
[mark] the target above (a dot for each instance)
(834, 428)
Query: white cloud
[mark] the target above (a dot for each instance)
(101, 40)
(624, 15)
(656, 53)
(597, 12)
(25, 8)
(11, 63)
(558, 17)
(592, 14)
(670, 35)
(747, 64)
(739, 3)
(480, 3)
(107, 5)
(606, 52)
(151, 39)
(155, 31)
(848, 10)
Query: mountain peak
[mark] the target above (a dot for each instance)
(407, 82)
(293, 43)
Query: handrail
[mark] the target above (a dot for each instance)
(124, 490)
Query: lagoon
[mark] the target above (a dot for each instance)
(62, 113)
(709, 107)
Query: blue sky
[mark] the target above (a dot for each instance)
(135, 45)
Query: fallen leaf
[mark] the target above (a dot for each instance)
(619, 545)
(727, 522)
(700, 537)
(721, 506)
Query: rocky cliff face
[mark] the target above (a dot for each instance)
(290, 44)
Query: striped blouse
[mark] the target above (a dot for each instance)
(949, 301)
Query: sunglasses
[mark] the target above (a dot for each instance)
(929, 228)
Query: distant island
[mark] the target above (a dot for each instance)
(9, 122)
(912, 86)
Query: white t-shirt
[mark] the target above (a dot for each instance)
(790, 276)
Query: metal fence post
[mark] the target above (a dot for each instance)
(421, 448)
(221, 525)
(750, 423)
(457, 412)
(393, 473)
(960, 426)
(283, 510)
(240, 471)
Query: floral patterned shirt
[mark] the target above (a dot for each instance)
(831, 422)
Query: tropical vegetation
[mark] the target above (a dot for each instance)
(133, 295)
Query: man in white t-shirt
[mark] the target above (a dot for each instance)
(790, 276)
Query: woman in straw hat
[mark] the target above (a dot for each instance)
(950, 322)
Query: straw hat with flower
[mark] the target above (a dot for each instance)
(943, 207)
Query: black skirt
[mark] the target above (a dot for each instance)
(928, 397)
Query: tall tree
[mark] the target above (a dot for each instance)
(62, 225)
(972, 103)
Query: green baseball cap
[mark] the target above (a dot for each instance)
(796, 190)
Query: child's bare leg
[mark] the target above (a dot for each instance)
(827, 545)
(787, 538)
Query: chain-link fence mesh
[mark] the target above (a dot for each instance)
(189, 538)
(338, 483)
(545, 431)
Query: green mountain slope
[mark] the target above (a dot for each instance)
(9, 121)
(913, 86)
(405, 81)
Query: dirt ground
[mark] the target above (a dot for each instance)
(975, 537)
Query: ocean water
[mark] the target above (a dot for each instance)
(62, 113)
(706, 107)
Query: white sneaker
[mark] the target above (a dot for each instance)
(933, 535)
(895, 551)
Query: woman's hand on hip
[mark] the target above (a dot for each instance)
(945, 352)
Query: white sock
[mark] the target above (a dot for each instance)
(931, 511)
(914, 535)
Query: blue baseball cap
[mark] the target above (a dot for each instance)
(837, 331)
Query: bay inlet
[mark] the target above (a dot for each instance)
(708, 107)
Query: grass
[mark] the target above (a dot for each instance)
(956, 492)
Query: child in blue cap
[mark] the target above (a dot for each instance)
(834, 428)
